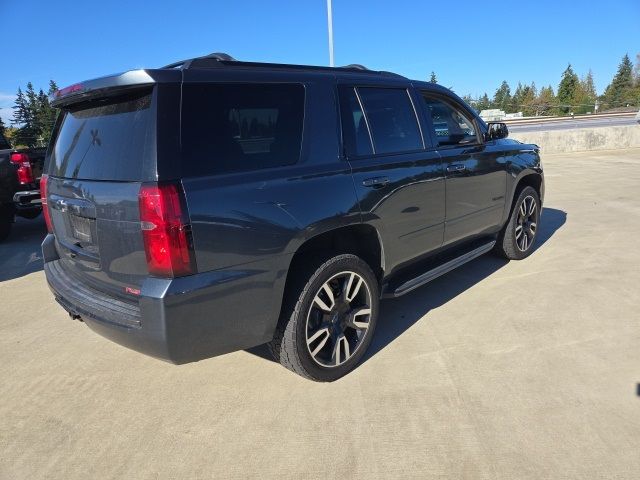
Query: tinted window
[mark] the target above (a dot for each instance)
(106, 141)
(230, 128)
(451, 125)
(391, 118)
(355, 132)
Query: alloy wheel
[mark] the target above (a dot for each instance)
(526, 223)
(338, 319)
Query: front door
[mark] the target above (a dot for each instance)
(475, 175)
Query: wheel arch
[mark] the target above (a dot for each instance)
(527, 178)
(359, 239)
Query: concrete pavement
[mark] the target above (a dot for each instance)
(520, 370)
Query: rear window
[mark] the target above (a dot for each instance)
(240, 127)
(393, 122)
(105, 141)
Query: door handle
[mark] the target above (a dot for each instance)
(375, 182)
(456, 167)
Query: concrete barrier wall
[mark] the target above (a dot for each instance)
(582, 139)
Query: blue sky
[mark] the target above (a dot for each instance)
(471, 45)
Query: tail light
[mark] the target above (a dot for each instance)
(165, 230)
(45, 207)
(25, 173)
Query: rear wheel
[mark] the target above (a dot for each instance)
(29, 214)
(328, 319)
(519, 234)
(6, 221)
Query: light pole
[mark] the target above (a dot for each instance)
(330, 24)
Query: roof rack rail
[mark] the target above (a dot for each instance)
(355, 66)
(218, 59)
(216, 56)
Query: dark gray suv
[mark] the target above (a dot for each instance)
(214, 205)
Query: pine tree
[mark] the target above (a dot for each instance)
(567, 89)
(483, 103)
(433, 78)
(2, 127)
(53, 87)
(584, 96)
(620, 91)
(502, 97)
(528, 98)
(545, 102)
(20, 111)
(515, 99)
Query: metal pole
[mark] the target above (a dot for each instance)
(330, 24)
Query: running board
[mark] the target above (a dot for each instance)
(434, 273)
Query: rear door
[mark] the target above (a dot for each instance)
(399, 182)
(475, 176)
(102, 150)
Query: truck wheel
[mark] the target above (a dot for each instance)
(328, 319)
(516, 240)
(29, 214)
(6, 222)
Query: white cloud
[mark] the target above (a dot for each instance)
(6, 99)
(6, 114)
(6, 102)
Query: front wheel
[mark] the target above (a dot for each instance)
(328, 319)
(516, 240)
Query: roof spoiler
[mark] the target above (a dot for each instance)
(102, 86)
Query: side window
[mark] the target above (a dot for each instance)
(355, 131)
(240, 127)
(452, 126)
(392, 119)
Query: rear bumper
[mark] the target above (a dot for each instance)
(178, 320)
(27, 200)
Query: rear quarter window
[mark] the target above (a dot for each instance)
(105, 140)
(240, 127)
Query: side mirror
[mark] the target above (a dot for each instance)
(497, 130)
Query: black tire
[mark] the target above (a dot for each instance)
(511, 244)
(290, 343)
(6, 222)
(29, 214)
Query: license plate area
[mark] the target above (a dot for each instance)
(81, 228)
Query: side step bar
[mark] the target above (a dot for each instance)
(434, 273)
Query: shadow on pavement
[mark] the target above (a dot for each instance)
(20, 254)
(398, 315)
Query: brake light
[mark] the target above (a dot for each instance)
(45, 207)
(75, 88)
(25, 173)
(165, 230)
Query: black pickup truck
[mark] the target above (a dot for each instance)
(20, 172)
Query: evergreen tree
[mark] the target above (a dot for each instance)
(433, 78)
(584, 96)
(483, 103)
(2, 127)
(567, 89)
(33, 116)
(527, 100)
(502, 97)
(545, 102)
(620, 91)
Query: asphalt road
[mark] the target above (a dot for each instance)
(520, 370)
(568, 124)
